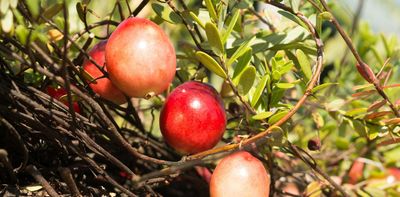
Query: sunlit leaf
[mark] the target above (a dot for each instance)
(198, 21)
(304, 64)
(262, 115)
(284, 85)
(276, 75)
(213, 38)
(356, 111)
(4, 5)
(246, 80)
(313, 189)
(230, 26)
(376, 115)
(392, 121)
(22, 33)
(259, 90)
(211, 9)
(275, 118)
(364, 93)
(322, 86)
(166, 13)
(243, 62)
(244, 47)
(7, 21)
(210, 64)
(52, 10)
(13, 3)
(376, 105)
(34, 7)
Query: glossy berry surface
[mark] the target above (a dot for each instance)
(240, 174)
(193, 118)
(140, 58)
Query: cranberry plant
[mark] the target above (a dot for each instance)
(309, 90)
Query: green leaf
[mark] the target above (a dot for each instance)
(313, 189)
(322, 86)
(7, 21)
(166, 13)
(243, 61)
(13, 3)
(320, 18)
(52, 10)
(210, 64)
(293, 18)
(246, 81)
(259, 90)
(34, 7)
(230, 26)
(342, 143)
(276, 75)
(275, 118)
(22, 33)
(211, 10)
(356, 111)
(262, 115)
(304, 64)
(214, 39)
(198, 21)
(286, 67)
(4, 5)
(284, 85)
(81, 9)
(244, 47)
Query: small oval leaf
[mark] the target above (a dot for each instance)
(213, 38)
(4, 5)
(198, 21)
(275, 118)
(246, 80)
(81, 9)
(376, 105)
(243, 62)
(284, 85)
(244, 47)
(7, 22)
(34, 7)
(52, 10)
(166, 13)
(210, 64)
(262, 115)
(304, 64)
(230, 26)
(322, 86)
(259, 90)
(211, 10)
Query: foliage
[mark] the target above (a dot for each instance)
(286, 75)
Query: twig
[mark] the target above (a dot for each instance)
(39, 178)
(262, 19)
(66, 175)
(140, 7)
(17, 136)
(315, 167)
